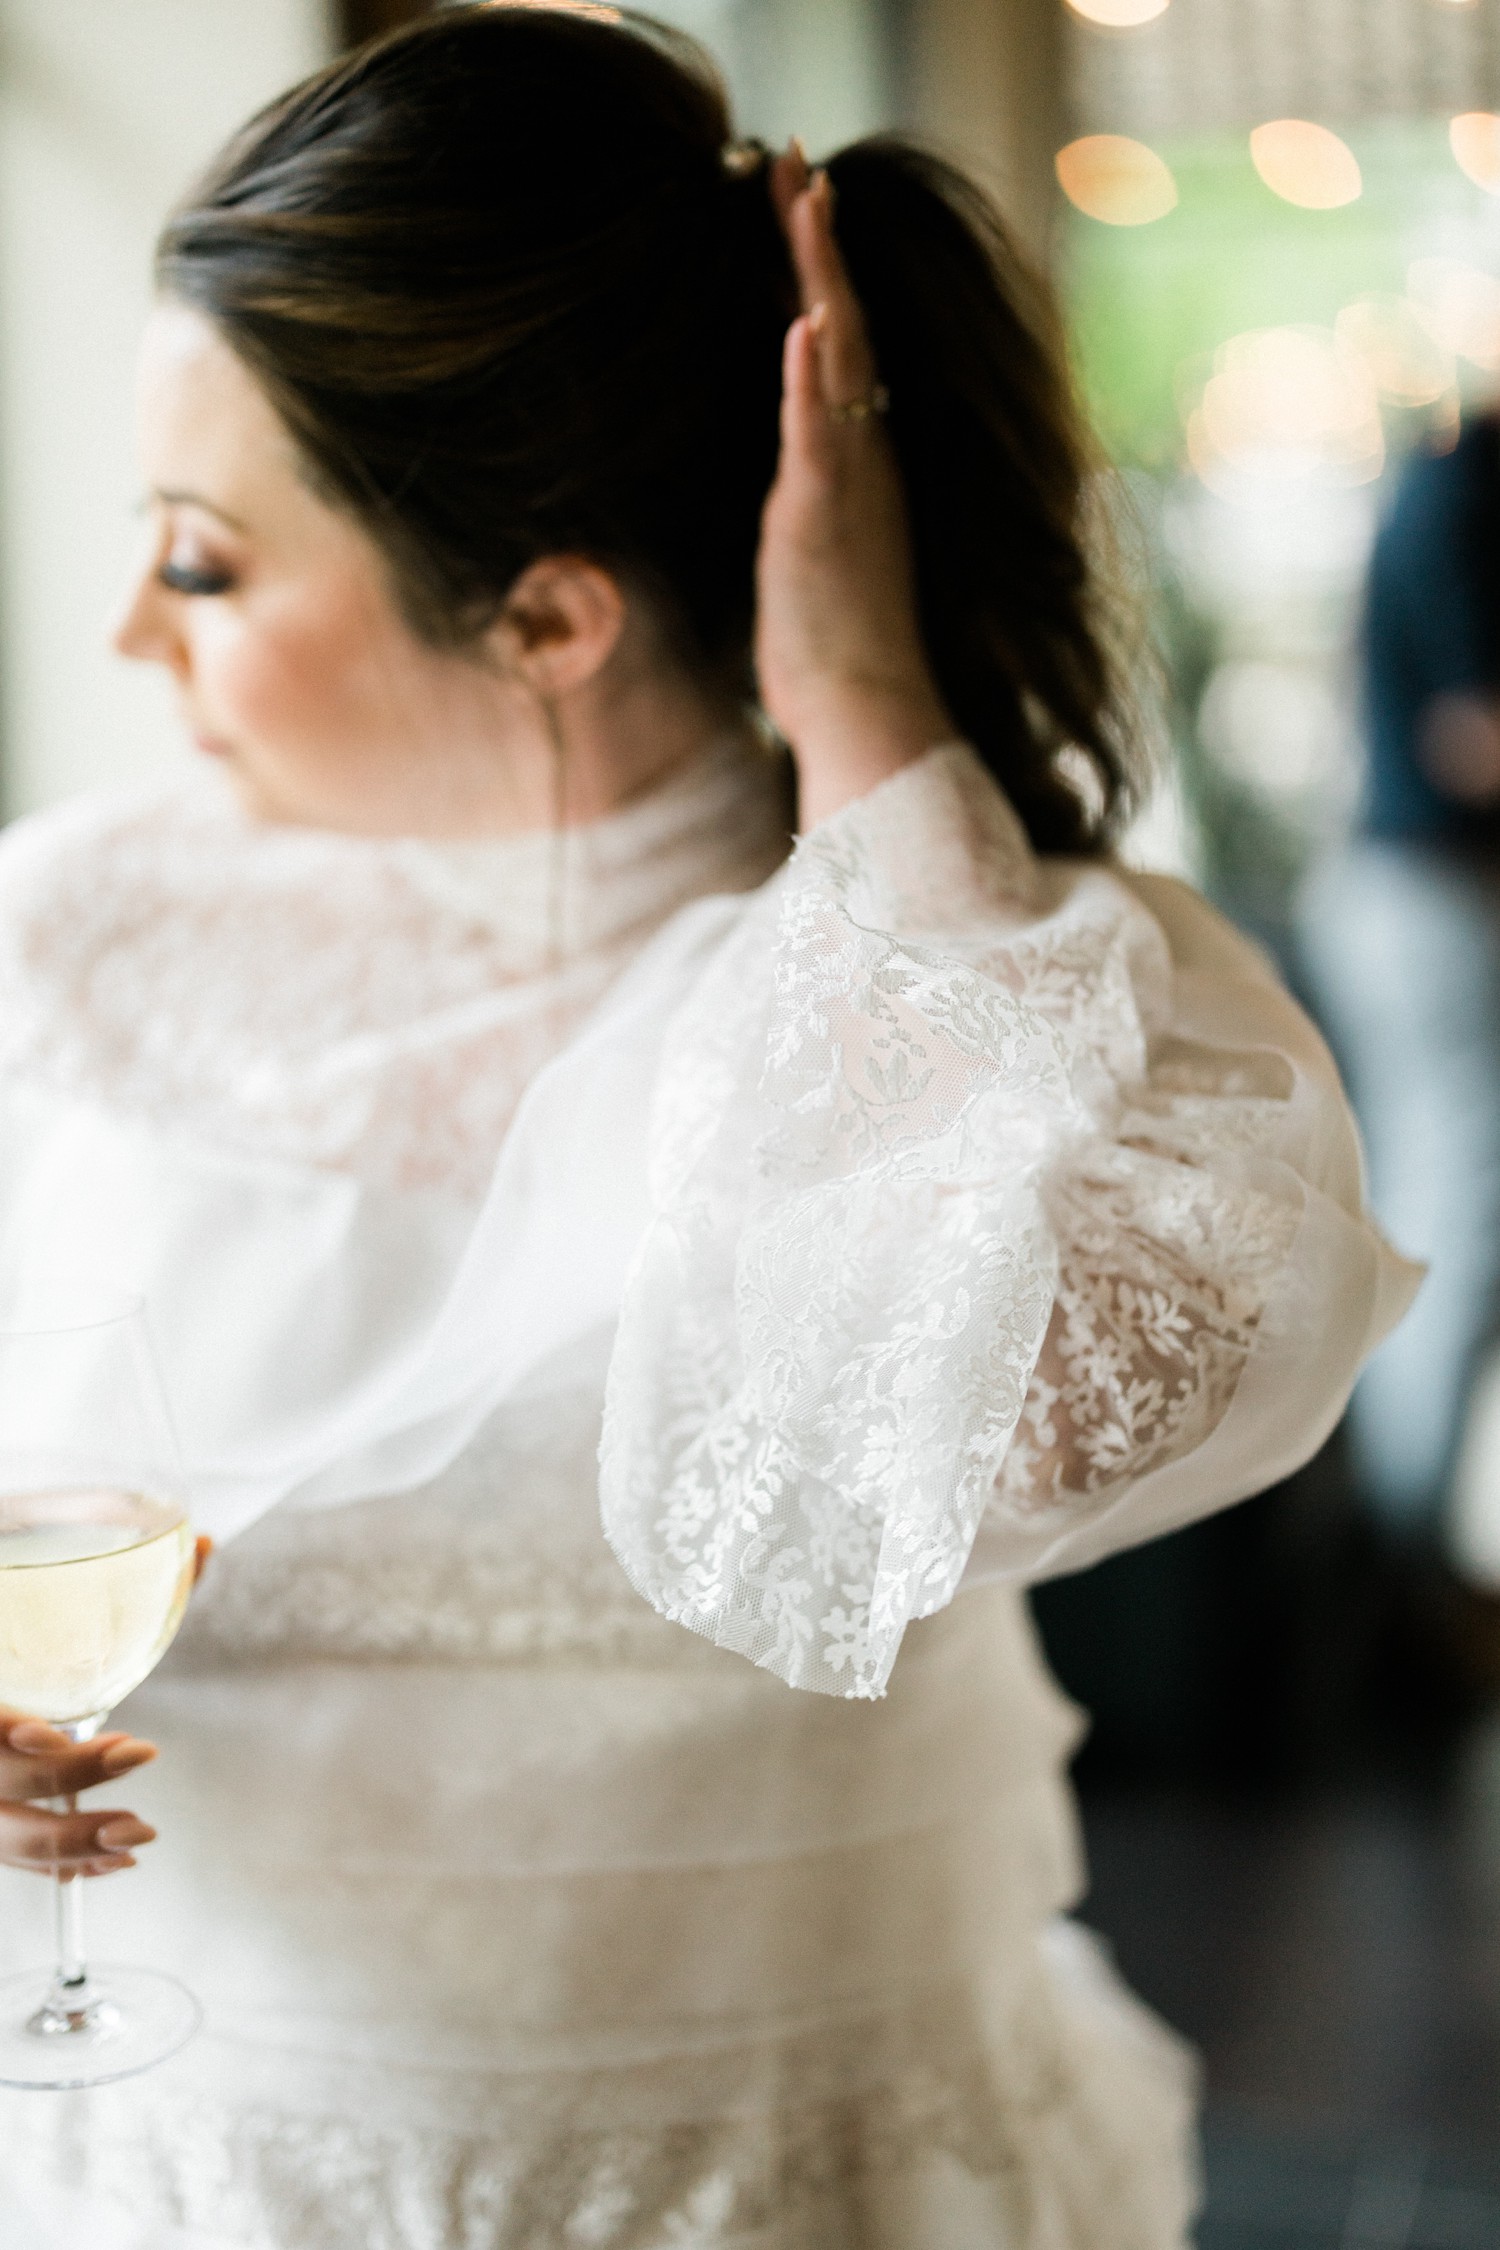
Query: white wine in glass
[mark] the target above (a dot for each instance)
(96, 1564)
(93, 1585)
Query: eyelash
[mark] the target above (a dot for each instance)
(178, 578)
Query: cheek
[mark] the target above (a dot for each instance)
(290, 679)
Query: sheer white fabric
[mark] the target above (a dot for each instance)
(228, 1057)
(933, 1217)
(973, 1209)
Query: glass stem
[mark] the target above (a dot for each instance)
(67, 1892)
(68, 1920)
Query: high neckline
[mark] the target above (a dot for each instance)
(364, 1004)
(721, 821)
(718, 822)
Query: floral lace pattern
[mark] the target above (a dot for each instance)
(949, 1221)
(774, 2179)
(1149, 1336)
(1076, 2124)
(496, 1561)
(365, 1005)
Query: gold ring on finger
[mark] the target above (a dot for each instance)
(876, 400)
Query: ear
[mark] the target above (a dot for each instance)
(561, 623)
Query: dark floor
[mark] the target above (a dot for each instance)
(1335, 1956)
(1270, 2190)
(1293, 1820)
(1336, 1959)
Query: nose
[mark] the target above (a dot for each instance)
(146, 627)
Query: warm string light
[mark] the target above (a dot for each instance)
(1290, 403)
(1120, 181)
(1475, 141)
(1305, 164)
(1284, 404)
(1461, 305)
(1119, 15)
(1409, 362)
(1300, 404)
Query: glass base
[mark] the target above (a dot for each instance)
(115, 2022)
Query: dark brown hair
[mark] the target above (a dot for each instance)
(498, 278)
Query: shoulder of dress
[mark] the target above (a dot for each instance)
(936, 843)
(81, 880)
(95, 822)
(1199, 937)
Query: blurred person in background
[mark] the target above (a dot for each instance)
(466, 1063)
(1401, 937)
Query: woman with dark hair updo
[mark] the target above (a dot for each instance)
(655, 1838)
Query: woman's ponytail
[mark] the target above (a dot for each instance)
(516, 291)
(998, 477)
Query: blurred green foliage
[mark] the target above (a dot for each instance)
(1148, 305)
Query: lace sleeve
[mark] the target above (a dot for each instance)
(981, 1186)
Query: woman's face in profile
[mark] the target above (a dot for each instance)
(274, 615)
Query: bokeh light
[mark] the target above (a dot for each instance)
(1409, 363)
(1287, 404)
(1475, 141)
(1305, 164)
(1120, 15)
(1461, 304)
(1278, 726)
(1120, 181)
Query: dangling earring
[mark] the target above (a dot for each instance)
(557, 855)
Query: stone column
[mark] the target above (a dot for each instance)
(355, 20)
(984, 79)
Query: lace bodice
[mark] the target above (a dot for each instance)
(499, 1560)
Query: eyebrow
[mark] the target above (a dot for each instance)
(175, 497)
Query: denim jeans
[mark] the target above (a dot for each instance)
(1401, 949)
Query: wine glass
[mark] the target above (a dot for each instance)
(96, 1564)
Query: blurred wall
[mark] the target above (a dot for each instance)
(107, 107)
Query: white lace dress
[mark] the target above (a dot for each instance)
(912, 1219)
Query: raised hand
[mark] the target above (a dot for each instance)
(839, 656)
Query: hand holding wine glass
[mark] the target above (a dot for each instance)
(38, 1761)
(96, 1565)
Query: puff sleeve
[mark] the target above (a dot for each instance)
(1004, 1212)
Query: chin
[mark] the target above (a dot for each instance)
(251, 798)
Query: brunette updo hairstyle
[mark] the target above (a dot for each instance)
(515, 292)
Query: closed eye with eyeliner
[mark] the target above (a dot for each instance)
(193, 578)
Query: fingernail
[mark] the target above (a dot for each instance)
(115, 1835)
(817, 316)
(126, 1758)
(795, 147)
